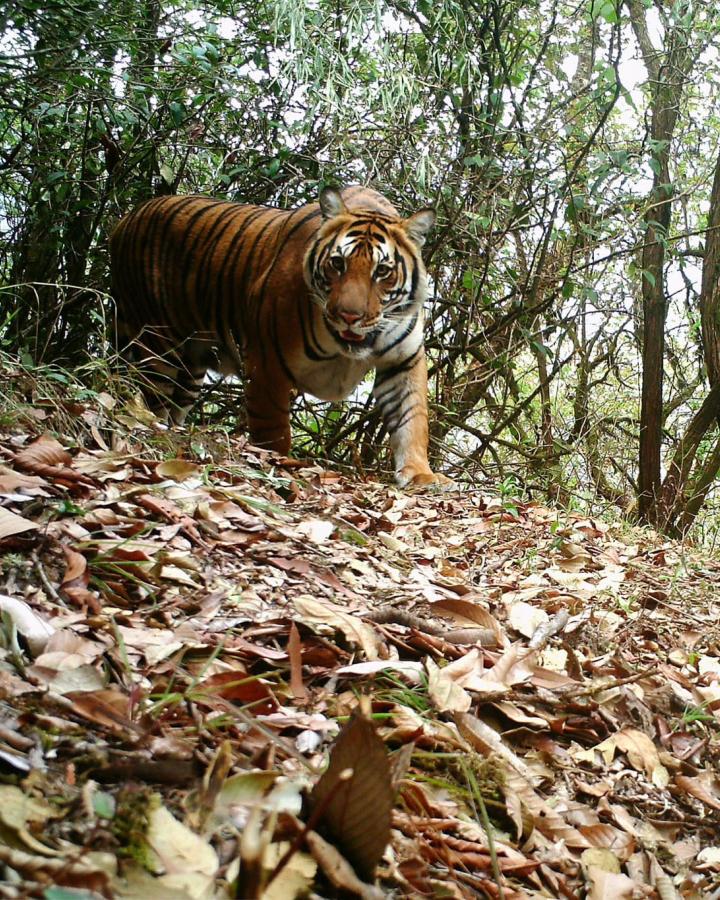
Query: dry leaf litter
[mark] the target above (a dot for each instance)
(505, 700)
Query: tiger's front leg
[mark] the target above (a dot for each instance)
(267, 398)
(400, 392)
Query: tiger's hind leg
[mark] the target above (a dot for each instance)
(196, 358)
(171, 373)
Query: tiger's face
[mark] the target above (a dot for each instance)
(365, 271)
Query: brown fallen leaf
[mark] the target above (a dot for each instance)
(337, 869)
(641, 752)
(329, 615)
(182, 858)
(704, 787)
(177, 469)
(108, 708)
(12, 482)
(238, 687)
(526, 618)
(547, 820)
(297, 686)
(489, 742)
(464, 612)
(41, 453)
(75, 582)
(212, 782)
(47, 457)
(83, 599)
(355, 810)
(80, 869)
(11, 523)
(604, 836)
(604, 885)
(76, 574)
(516, 666)
(445, 692)
(296, 878)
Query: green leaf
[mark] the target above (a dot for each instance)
(65, 893)
(541, 349)
(609, 13)
(468, 279)
(177, 112)
(103, 805)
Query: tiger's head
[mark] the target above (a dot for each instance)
(365, 271)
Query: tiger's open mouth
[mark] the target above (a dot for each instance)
(352, 336)
(345, 335)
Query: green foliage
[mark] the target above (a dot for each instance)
(525, 124)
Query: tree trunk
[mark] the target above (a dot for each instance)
(686, 484)
(668, 78)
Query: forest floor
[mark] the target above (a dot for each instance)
(506, 700)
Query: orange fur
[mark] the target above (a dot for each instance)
(308, 299)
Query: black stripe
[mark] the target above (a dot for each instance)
(383, 375)
(388, 414)
(398, 340)
(277, 344)
(225, 284)
(314, 214)
(415, 278)
(409, 414)
(258, 298)
(311, 345)
(204, 273)
(187, 253)
(163, 232)
(312, 253)
(388, 394)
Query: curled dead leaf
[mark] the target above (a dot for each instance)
(177, 469)
(76, 574)
(36, 631)
(329, 615)
(42, 453)
(444, 691)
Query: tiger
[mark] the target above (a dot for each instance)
(305, 300)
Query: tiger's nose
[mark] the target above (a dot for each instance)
(349, 317)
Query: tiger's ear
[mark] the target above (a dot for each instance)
(331, 203)
(418, 225)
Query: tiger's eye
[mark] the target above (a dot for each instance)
(338, 262)
(383, 271)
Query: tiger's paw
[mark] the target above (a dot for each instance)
(409, 477)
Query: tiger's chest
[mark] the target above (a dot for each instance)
(332, 379)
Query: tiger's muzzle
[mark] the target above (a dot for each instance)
(352, 311)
